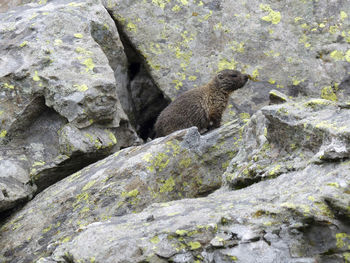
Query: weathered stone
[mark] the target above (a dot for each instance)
(61, 65)
(302, 49)
(182, 165)
(284, 219)
(287, 137)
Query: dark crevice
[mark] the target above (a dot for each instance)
(145, 99)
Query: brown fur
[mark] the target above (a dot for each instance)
(202, 106)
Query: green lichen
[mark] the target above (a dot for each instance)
(327, 93)
(58, 42)
(275, 170)
(185, 162)
(155, 240)
(132, 193)
(343, 239)
(343, 15)
(89, 64)
(3, 133)
(336, 185)
(78, 35)
(45, 230)
(131, 27)
(181, 232)
(89, 185)
(81, 88)
(38, 163)
(194, 245)
(168, 186)
(36, 76)
(346, 256)
(66, 239)
(23, 44)
(226, 64)
(274, 16)
(159, 162)
(244, 116)
(112, 137)
(313, 103)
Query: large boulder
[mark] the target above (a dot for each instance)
(59, 108)
(298, 213)
(299, 47)
(182, 165)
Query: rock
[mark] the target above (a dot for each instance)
(59, 108)
(284, 219)
(302, 50)
(287, 137)
(182, 165)
(277, 97)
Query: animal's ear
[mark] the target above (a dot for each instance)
(220, 76)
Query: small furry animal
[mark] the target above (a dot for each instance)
(202, 106)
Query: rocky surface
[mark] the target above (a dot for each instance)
(298, 47)
(182, 165)
(78, 78)
(297, 212)
(59, 107)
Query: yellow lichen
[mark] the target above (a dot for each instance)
(327, 93)
(89, 185)
(131, 27)
(24, 43)
(81, 88)
(58, 42)
(337, 55)
(343, 15)
(176, 8)
(160, 3)
(112, 137)
(274, 16)
(78, 35)
(36, 76)
(89, 64)
(3, 133)
(185, 162)
(275, 170)
(132, 193)
(194, 245)
(8, 86)
(155, 240)
(347, 55)
(181, 232)
(38, 163)
(168, 186)
(341, 239)
(225, 64)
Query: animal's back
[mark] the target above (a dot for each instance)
(184, 112)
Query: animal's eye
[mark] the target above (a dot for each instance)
(234, 75)
(221, 76)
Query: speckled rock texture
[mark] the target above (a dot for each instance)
(299, 212)
(182, 165)
(59, 108)
(297, 47)
(77, 78)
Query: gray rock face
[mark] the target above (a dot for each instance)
(299, 213)
(59, 108)
(182, 165)
(290, 137)
(298, 47)
(70, 76)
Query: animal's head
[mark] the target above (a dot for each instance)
(230, 80)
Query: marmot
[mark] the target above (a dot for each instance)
(202, 106)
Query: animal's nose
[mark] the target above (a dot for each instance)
(246, 77)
